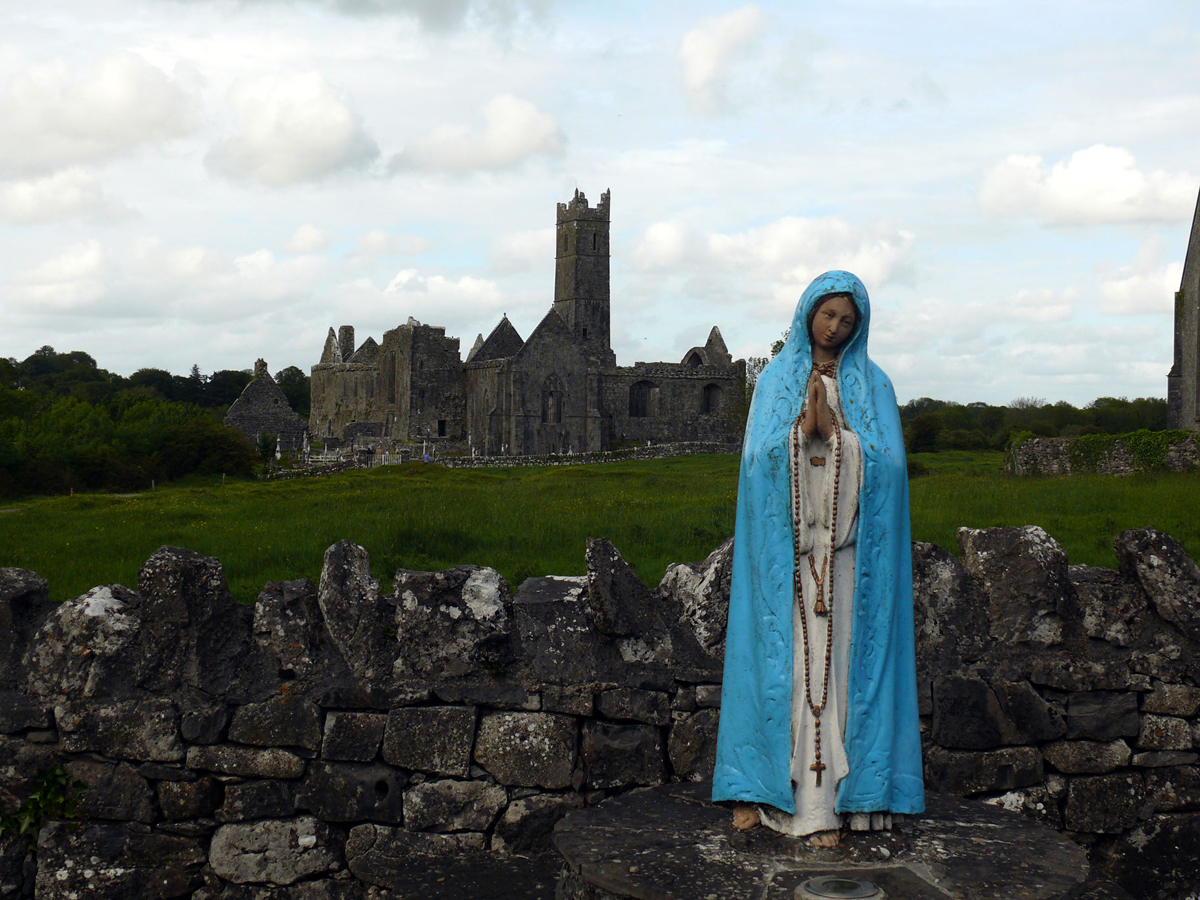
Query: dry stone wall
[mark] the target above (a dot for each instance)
(335, 735)
(1055, 456)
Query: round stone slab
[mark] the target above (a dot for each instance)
(673, 843)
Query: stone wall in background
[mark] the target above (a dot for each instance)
(1102, 455)
(311, 745)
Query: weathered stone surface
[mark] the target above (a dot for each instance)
(652, 707)
(1023, 572)
(1111, 604)
(578, 701)
(1102, 715)
(289, 626)
(1158, 858)
(557, 640)
(453, 806)
(284, 721)
(1038, 801)
(497, 695)
(275, 851)
(527, 749)
(85, 646)
(430, 739)
(966, 773)
(692, 746)
(268, 799)
(20, 762)
(1034, 719)
(1104, 804)
(264, 762)
(620, 603)
(353, 792)
(109, 861)
(1155, 758)
(1172, 700)
(621, 755)
(1066, 672)
(24, 604)
(527, 823)
(353, 736)
(708, 696)
(967, 715)
(143, 730)
(19, 711)
(1166, 573)
(12, 867)
(702, 590)
(189, 799)
(1175, 788)
(204, 725)
(452, 623)
(376, 854)
(114, 791)
(1087, 757)
(357, 617)
(1164, 733)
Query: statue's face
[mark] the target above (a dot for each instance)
(833, 323)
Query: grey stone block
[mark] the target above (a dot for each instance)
(445, 806)
(376, 853)
(965, 773)
(280, 722)
(577, 701)
(435, 739)
(967, 715)
(189, 799)
(1156, 758)
(114, 791)
(353, 736)
(652, 707)
(1102, 715)
(1174, 788)
(142, 730)
(692, 746)
(527, 823)
(353, 792)
(275, 851)
(1104, 804)
(204, 725)
(527, 749)
(1164, 733)
(261, 762)
(1166, 573)
(622, 755)
(1087, 757)
(248, 800)
(1172, 700)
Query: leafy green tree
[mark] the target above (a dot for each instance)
(224, 387)
(296, 387)
(922, 432)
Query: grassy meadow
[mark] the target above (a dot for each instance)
(534, 521)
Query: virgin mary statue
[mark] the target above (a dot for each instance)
(819, 728)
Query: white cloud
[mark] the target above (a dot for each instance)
(514, 131)
(524, 250)
(377, 242)
(51, 118)
(308, 239)
(1040, 306)
(1146, 285)
(707, 49)
(664, 245)
(1097, 185)
(291, 128)
(73, 279)
(52, 198)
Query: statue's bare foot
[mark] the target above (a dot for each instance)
(745, 818)
(825, 840)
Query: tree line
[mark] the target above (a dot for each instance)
(66, 424)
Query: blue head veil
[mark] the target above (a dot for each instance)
(882, 738)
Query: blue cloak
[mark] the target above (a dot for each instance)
(882, 740)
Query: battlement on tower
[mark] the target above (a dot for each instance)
(578, 208)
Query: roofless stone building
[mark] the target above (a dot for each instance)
(262, 408)
(558, 391)
(1183, 381)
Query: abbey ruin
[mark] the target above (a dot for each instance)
(558, 391)
(1183, 381)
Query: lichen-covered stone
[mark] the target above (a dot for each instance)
(356, 615)
(965, 773)
(284, 721)
(275, 851)
(1150, 759)
(619, 601)
(444, 806)
(24, 604)
(1033, 719)
(114, 791)
(1172, 700)
(19, 711)
(1023, 572)
(1166, 573)
(1175, 788)
(269, 799)
(452, 623)
(967, 715)
(702, 589)
(111, 861)
(203, 724)
(20, 761)
(13, 858)
(1164, 733)
(377, 853)
(353, 792)
(142, 730)
(692, 746)
(1158, 858)
(527, 823)
(527, 749)
(189, 799)
(1112, 606)
(289, 626)
(1102, 715)
(435, 739)
(1104, 804)
(652, 707)
(621, 755)
(262, 762)
(577, 701)
(1087, 757)
(353, 736)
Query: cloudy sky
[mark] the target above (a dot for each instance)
(211, 181)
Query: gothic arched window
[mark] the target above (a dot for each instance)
(641, 395)
(710, 398)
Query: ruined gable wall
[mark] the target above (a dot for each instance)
(485, 434)
(675, 403)
(551, 357)
(342, 394)
(437, 393)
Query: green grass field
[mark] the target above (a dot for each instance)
(535, 521)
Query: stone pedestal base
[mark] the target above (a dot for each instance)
(673, 843)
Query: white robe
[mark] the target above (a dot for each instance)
(815, 805)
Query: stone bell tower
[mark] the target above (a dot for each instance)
(1183, 381)
(581, 294)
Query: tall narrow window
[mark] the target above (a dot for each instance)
(640, 399)
(710, 398)
(593, 242)
(441, 427)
